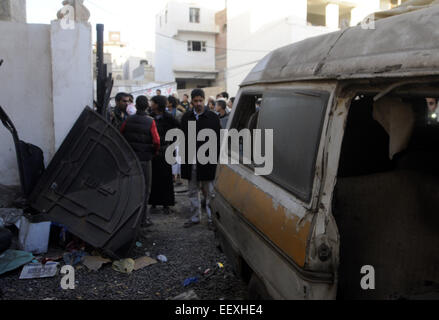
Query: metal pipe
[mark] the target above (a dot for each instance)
(100, 84)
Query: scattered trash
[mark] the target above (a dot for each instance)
(139, 244)
(147, 253)
(143, 262)
(162, 258)
(13, 259)
(10, 216)
(124, 266)
(52, 257)
(94, 263)
(189, 295)
(73, 258)
(190, 281)
(220, 265)
(38, 270)
(206, 271)
(75, 245)
(33, 237)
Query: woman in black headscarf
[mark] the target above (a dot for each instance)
(162, 188)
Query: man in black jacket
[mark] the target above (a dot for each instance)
(200, 176)
(141, 133)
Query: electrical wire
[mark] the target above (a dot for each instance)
(213, 47)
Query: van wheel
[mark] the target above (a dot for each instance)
(257, 289)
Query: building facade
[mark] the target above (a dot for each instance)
(256, 27)
(221, 48)
(185, 45)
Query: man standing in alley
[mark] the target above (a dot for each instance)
(140, 131)
(221, 109)
(118, 114)
(200, 176)
(185, 103)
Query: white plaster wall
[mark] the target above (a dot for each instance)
(178, 18)
(164, 60)
(45, 83)
(25, 92)
(189, 60)
(72, 75)
(256, 29)
(171, 53)
(18, 8)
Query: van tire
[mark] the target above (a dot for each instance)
(257, 289)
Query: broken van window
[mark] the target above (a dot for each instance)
(296, 119)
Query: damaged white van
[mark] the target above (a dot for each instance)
(351, 209)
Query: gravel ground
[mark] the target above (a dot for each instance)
(189, 252)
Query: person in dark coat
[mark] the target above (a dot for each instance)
(141, 133)
(200, 176)
(118, 114)
(162, 191)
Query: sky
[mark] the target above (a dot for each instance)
(135, 19)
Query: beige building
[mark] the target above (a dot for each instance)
(221, 48)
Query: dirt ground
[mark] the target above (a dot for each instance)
(190, 252)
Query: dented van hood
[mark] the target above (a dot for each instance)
(94, 186)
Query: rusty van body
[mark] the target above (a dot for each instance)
(351, 209)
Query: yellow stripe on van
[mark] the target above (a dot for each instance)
(259, 209)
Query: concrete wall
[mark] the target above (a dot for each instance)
(13, 10)
(25, 92)
(46, 81)
(72, 75)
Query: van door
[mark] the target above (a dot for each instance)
(270, 219)
(94, 186)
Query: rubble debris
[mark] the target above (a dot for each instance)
(38, 270)
(220, 265)
(124, 265)
(143, 262)
(10, 216)
(94, 263)
(13, 259)
(190, 281)
(189, 295)
(73, 258)
(162, 258)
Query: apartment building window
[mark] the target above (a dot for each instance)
(196, 46)
(194, 15)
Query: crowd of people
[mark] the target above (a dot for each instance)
(144, 124)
